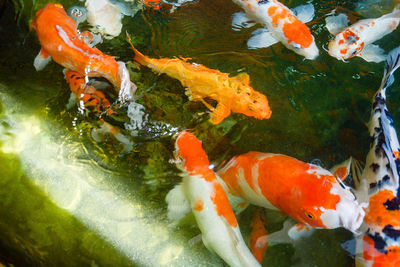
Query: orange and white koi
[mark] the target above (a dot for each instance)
(357, 39)
(281, 25)
(380, 184)
(307, 193)
(201, 193)
(232, 93)
(60, 41)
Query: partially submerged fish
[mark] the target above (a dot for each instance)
(232, 93)
(281, 25)
(357, 39)
(201, 193)
(379, 183)
(60, 41)
(87, 93)
(307, 193)
(258, 242)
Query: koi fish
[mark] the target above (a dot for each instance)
(60, 41)
(258, 244)
(232, 93)
(87, 93)
(380, 243)
(309, 194)
(281, 25)
(88, 96)
(201, 193)
(357, 39)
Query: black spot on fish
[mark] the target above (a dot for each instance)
(379, 242)
(262, 2)
(372, 185)
(378, 101)
(393, 204)
(374, 167)
(390, 231)
(388, 166)
(386, 179)
(377, 129)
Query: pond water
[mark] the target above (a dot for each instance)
(319, 114)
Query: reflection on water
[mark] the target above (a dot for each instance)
(319, 109)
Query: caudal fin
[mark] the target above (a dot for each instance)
(139, 57)
(392, 63)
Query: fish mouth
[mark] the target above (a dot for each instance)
(355, 222)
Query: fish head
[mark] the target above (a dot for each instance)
(252, 103)
(300, 39)
(321, 201)
(189, 153)
(311, 52)
(345, 45)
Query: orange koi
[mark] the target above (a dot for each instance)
(232, 93)
(60, 41)
(379, 245)
(257, 244)
(201, 193)
(308, 193)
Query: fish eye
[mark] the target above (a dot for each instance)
(295, 45)
(309, 215)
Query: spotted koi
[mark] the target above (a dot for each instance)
(357, 39)
(379, 183)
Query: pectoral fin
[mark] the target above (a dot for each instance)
(41, 60)
(305, 13)
(178, 205)
(261, 38)
(372, 53)
(300, 231)
(220, 112)
(240, 20)
(336, 24)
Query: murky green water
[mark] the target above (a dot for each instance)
(319, 112)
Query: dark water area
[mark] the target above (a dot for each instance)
(319, 113)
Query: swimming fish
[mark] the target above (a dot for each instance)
(201, 193)
(357, 39)
(309, 194)
(232, 93)
(379, 181)
(87, 93)
(281, 25)
(258, 244)
(60, 41)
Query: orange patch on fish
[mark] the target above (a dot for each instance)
(341, 173)
(199, 205)
(379, 259)
(298, 33)
(344, 51)
(396, 154)
(378, 214)
(222, 205)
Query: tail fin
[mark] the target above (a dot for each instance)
(392, 63)
(139, 57)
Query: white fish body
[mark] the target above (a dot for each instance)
(357, 39)
(281, 25)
